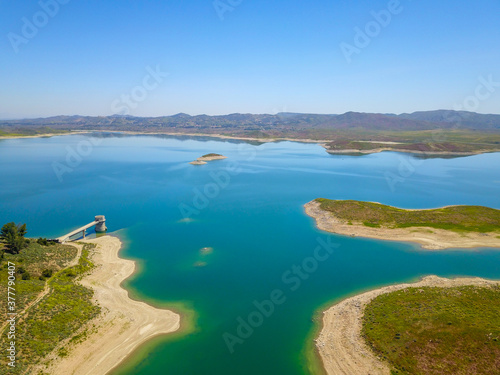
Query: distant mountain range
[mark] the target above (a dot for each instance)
(273, 124)
(440, 132)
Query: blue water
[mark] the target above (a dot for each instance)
(249, 209)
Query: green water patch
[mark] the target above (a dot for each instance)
(311, 361)
(140, 355)
(188, 316)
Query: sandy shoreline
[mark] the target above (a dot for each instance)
(42, 135)
(342, 349)
(211, 158)
(123, 325)
(429, 153)
(215, 135)
(428, 238)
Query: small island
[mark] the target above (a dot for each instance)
(208, 157)
(440, 228)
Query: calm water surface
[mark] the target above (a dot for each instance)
(249, 209)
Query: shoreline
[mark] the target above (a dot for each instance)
(320, 142)
(427, 238)
(340, 346)
(204, 159)
(124, 324)
(221, 136)
(428, 153)
(48, 135)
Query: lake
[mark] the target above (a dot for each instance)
(249, 209)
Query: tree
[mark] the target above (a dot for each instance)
(22, 230)
(13, 237)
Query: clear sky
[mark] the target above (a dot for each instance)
(95, 57)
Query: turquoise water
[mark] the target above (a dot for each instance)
(253, 220)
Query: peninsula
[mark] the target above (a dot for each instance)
(434, 326)
(74, 317)
(441, 228)
(34, 132)
(123, 325)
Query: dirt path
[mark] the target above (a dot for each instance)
(46, 288)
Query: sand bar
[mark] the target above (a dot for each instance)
(123, 325)
(428, 238)
(342, 349)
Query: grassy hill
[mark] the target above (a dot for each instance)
(50, 304)
(436, 330)
(455, 218)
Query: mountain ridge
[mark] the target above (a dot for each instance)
(416, 121)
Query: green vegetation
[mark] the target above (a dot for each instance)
(423, 147)
(25, 131)
(45, 242)
(436, 330)
(50, 304)
(12, 236)
(9, 134)
(211, 155)
(425, 141)
(455, 218)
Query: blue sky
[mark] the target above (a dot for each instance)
(264, 56)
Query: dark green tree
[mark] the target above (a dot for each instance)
(47, 273)
(22, 230)
(13, 237)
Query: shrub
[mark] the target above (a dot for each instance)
(42, 241)
(47, 273)
(70, 273)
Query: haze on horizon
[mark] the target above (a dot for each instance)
(210, 57)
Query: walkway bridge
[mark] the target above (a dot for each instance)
(100, 226)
